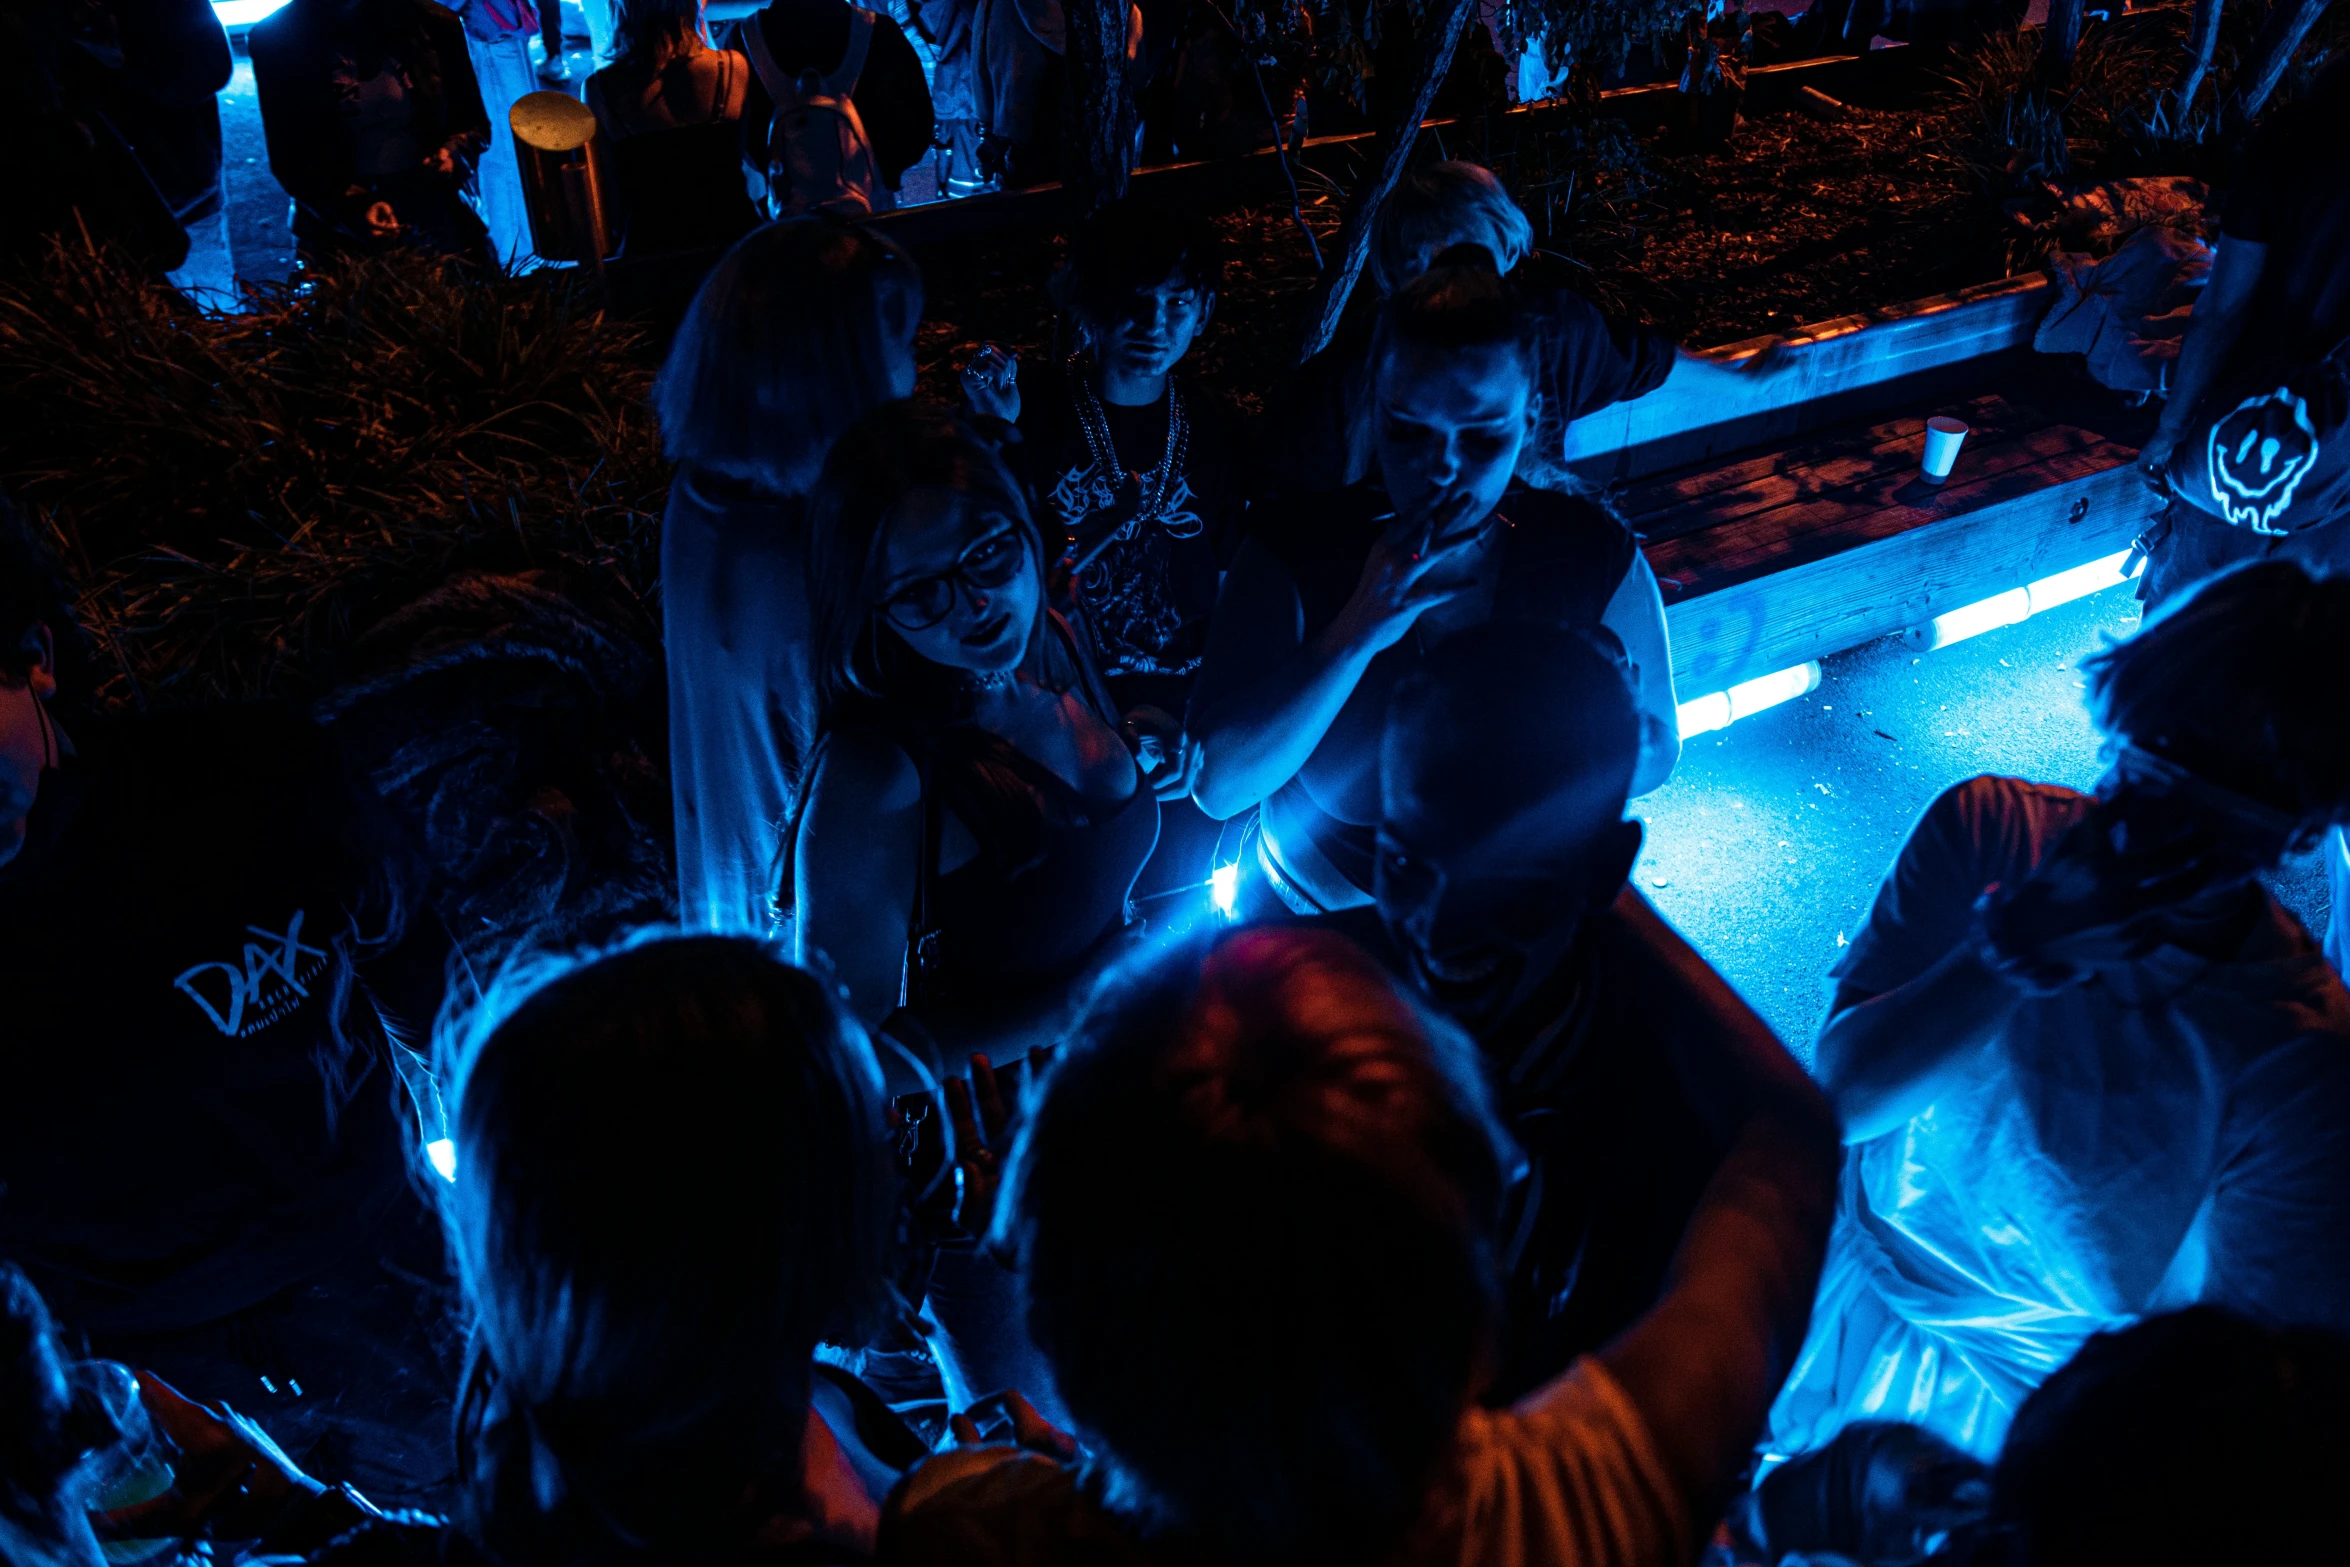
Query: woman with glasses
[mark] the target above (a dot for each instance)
(972, 820)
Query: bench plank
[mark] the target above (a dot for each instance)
(1890, 576)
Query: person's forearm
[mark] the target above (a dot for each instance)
(1704, 1366)
(1724, 1052)
(1254, 740)
(2208, 344)
(1890, 1057)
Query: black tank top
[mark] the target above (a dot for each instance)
(1050, 881)
(1563, 557)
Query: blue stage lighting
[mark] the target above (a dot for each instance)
(442, 1155)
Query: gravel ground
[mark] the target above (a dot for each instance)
(1767, 846)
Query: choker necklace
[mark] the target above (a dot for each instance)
(990, 679)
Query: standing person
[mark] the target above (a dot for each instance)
(1255, 1208)
(211, 956)
(2279, 295)
(1335, 599)
(2089, 1068)
(799, 330)
(156, 68)
(374, 121)
(1502, 896)
(973, 822)
(498, 32)
(1322, 430)
(1137, 473)
(673, 109)
(851, 160)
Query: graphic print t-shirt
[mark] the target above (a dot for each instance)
(167, 1149)
(1148, 594)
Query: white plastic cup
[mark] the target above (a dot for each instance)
(1943, 435)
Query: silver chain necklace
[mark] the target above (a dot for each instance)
(1104, 450)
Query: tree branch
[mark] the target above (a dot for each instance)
(1362, 207)
(2287, 25)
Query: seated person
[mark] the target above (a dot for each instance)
(672, 108)
(2089, 1068)
(374, 122)
(2189, 1438)
(972, 821)
(1335, 599)
(1322, 429)
(206, 933)
(1137, 475)
(1502, 898)
(1256, 1207)
(856, 56)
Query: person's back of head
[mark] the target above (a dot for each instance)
(1461, 301)
(801, 329)
(671, 1182)
(2192, 1438)
(1510, 718)
(2241, 683)
(650, 31)
(1437, 206)
(1503, 772)
(1254, 1206)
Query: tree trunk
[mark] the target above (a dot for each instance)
(2202, 43)
(2060, 39)
(1097, 104)
(1395, 153)
(2287, 25)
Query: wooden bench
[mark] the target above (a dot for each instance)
(1788, 521)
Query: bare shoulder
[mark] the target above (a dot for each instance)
(864, 771)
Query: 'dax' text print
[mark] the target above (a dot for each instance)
(273, 979)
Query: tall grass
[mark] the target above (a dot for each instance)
(239, 496)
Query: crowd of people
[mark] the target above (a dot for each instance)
(1158, 1057)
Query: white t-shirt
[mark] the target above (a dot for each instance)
(2175, 1130)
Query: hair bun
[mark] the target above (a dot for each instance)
(1467, 255)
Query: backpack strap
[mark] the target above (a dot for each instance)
(842, 83)
(780, 87)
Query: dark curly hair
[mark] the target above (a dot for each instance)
(2240, 683)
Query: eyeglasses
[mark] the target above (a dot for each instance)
(989, 563)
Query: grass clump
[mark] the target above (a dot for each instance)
(239, 496)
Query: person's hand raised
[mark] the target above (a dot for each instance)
(1410, 571)
(1010, 1413)
(984, 1112)
(991, 383)
(229, 1477)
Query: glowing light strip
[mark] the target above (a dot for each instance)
(1224, 889)
(2020, 604)
(244, 13)
(1721, 709)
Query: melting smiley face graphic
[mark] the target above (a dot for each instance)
(2258, 455)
